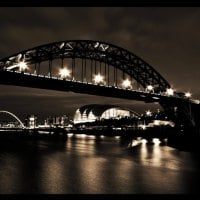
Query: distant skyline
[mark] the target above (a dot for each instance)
(166, 38)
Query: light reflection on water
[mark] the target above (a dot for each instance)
(95, 165)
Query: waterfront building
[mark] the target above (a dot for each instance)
(93, 112)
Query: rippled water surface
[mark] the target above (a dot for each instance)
(96, 165)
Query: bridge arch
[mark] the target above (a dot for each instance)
(103, 52)
(14, 116)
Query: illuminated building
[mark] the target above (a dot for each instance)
(31, 121)
(93, 112)
(57, 121)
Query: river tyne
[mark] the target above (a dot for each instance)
(86, 164)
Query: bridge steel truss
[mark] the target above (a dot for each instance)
(109, 54)
(119, 58)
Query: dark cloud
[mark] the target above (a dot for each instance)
(167, 38)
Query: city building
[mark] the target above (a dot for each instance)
(93, 112)
(31, 121)
(57, 121)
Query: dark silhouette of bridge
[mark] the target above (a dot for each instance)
(97, 68)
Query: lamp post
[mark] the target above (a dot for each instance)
(64, 73)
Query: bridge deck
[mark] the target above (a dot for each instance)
(55, 83)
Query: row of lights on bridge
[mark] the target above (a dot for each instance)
(64, 73)
(169, 91)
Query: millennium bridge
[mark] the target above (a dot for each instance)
(98, 68)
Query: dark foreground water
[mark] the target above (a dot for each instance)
(86, 164)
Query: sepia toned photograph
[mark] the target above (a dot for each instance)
(99, 100)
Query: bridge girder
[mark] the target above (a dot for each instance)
(103, 52)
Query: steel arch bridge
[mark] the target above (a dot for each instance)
(14, 116)
(93, 67)
(103, 52)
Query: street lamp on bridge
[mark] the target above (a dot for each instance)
(170, 92)
(98, 78)
(22, 66)
(126, 83)
(188, 94)
(64, 72)
(149, 88)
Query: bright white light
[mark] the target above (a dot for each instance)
(170, 91)
(126, 84)
(143, 127)
(96, 44)
(81, 135)
(91, 136)
(134, 143)
(156, 141)
(188, 94)
(98, 78)
(62, 45)
(22, 66)
(148, 113)
(156, 122)
(70, 134)
(64, 73)
(144, 141)
(104, 47)
(149, 88)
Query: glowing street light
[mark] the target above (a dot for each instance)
(149, 88)
(188, 94)
(170, 92)
(22, 66)
(126, 83)
(148, 113)
(98, 78)
(64, 73)
(144, 127)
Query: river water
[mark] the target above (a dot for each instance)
(96, 165)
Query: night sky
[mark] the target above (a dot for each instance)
(166, 38)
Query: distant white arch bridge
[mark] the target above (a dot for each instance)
(14, 116)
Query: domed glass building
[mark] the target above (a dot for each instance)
(93, 112)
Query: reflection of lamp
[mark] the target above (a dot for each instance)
(64, 72)
(98, 78)
(156, 141)
(126, 83)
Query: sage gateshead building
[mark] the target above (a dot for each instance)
(93, 112)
